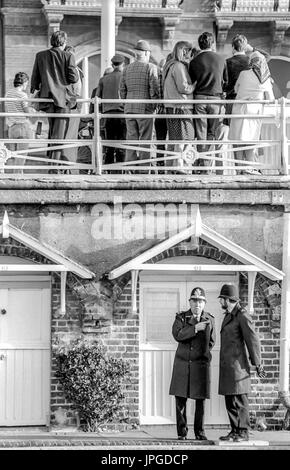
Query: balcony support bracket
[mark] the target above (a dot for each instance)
(223, 27)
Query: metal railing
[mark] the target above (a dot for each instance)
(220, 154)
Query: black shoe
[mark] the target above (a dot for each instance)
(229, 437)
(201, 437)
(241, 436)
(182, 438)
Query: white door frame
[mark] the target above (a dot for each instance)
(195, 279)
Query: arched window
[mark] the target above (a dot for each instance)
(91, 67)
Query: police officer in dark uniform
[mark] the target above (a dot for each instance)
(195, 332)
(237, 333)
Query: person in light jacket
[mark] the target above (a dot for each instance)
(177, 85)
(253, 84)
(194, 330)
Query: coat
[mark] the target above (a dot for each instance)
(140, 81)
(53, 70)
(249, 88)
(108, 88)
(191, 368)
(237, 332)
(177, 84)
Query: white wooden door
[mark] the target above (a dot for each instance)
(24, 353)
(160, 299)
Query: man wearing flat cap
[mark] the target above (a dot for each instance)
(237, 333)
(140, 82)
(108, 88)
(194, 330)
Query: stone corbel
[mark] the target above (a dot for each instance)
(54, 21)
(223, 27)
(169, 24)
(118, 21)
(279, 30)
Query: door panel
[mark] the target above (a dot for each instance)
(159, 302)
(24, 354)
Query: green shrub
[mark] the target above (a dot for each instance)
(92, 381)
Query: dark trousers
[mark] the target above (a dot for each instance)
(115, 130)
(57, 128)
(161, 132)
(181, 418)
(238, 411)
(205, 128)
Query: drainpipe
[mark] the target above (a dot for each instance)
(285, 320)
(108, 16)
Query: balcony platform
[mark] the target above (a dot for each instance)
(92, 189)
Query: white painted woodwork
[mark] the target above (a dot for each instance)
(198, 229)
(285, 310)
(161, 296)
(24, 352)
(107, 33)
(66, 264)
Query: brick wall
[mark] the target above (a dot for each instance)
(64, 329)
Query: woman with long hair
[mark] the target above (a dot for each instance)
(177, 85)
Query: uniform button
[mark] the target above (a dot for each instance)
(189, 361)
(191, 349)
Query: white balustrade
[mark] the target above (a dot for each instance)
(283, 6)
(254, 6)
(172, 4)
(226, 6)
(241, 6)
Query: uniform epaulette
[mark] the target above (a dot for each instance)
(210, 314)
(181, 316)
(180, 313)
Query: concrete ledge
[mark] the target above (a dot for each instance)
(17, 181)
(81, 189)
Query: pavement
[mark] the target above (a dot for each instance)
(144, 438)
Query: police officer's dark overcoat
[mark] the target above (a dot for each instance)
(237, 332)
(191, 368)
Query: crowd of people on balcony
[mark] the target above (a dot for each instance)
(195, 76)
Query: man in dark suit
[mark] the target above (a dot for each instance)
(235, 64)
(237, 333)
(195, 332)
(108, 88)
(54, 69)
